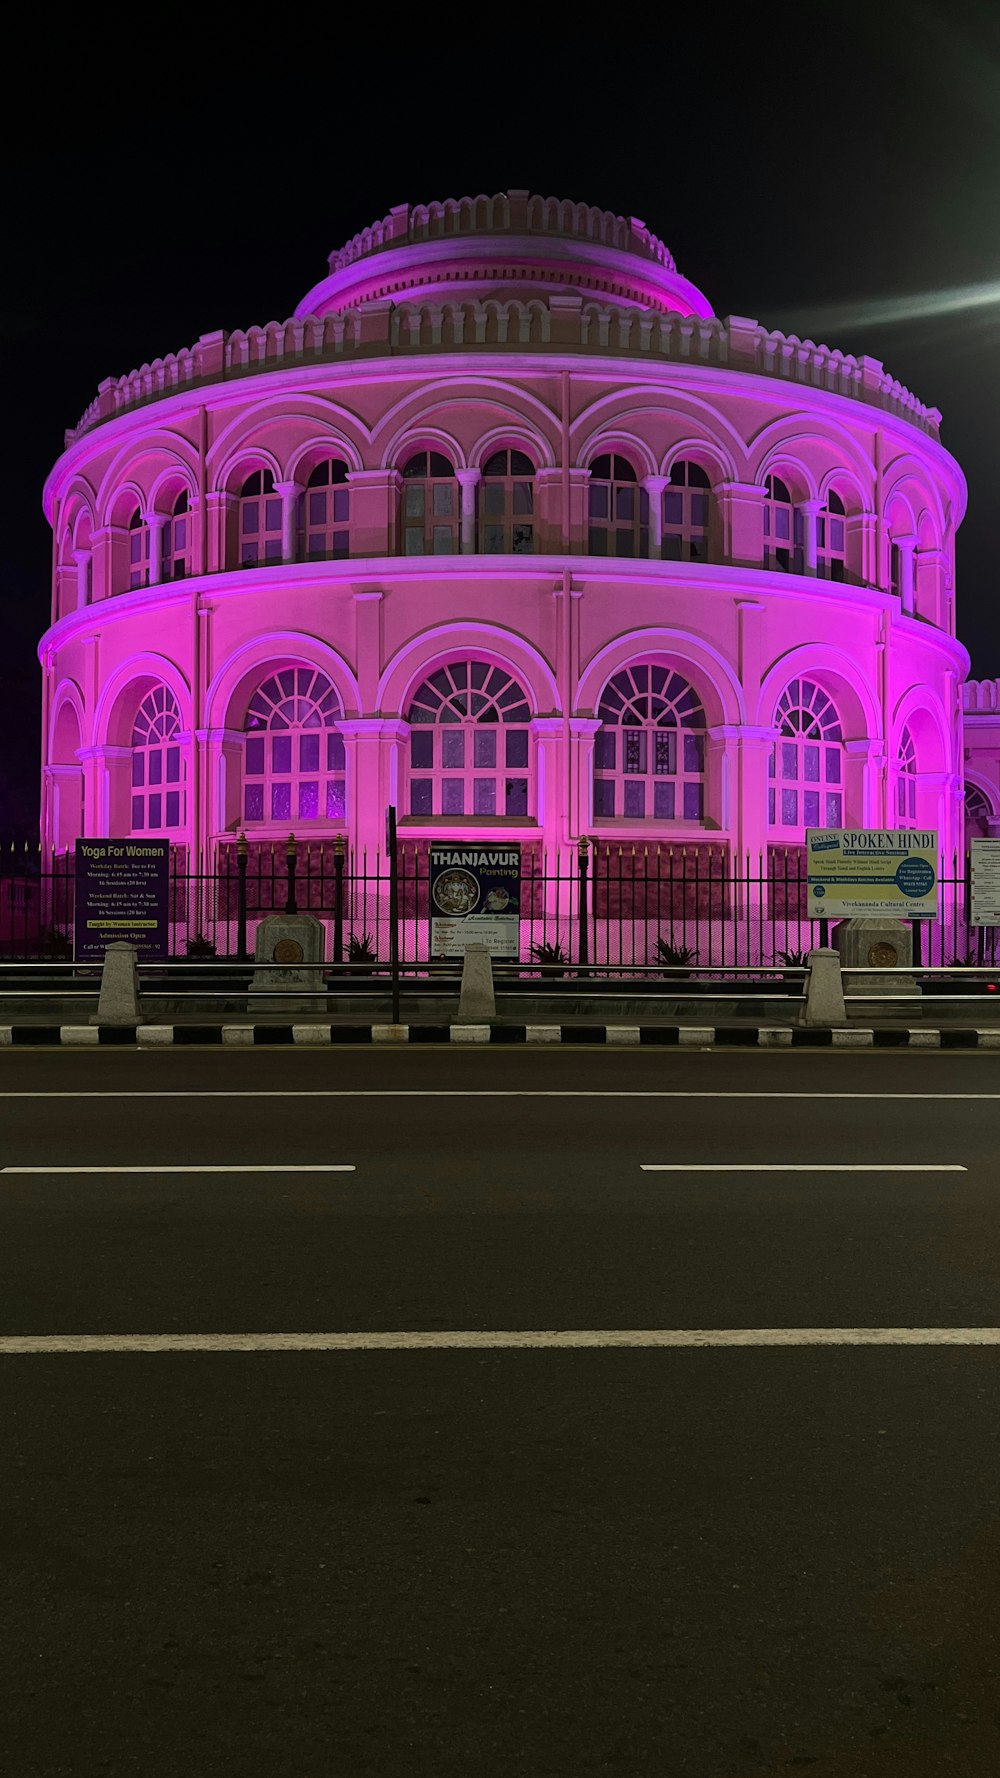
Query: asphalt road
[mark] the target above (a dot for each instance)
(721, 1562)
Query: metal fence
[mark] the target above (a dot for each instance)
(614, 906)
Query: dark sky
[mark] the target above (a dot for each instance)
(830, 158)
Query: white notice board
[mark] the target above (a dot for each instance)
(985, 878)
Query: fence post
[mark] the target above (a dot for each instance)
(582, 859)
(241, 898)
(390, 845)
(291, 905)
(338, 898)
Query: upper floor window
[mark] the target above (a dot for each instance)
(649, 754)
(157, 769)
(326, 513)
(431, 510)
(618, 509)
(831, 539)
(294, 766)
(138, 551)
(906, 782)
(806, 779)
(469, 742)
(685, 514)
(783, 537)
(895, 569)
(177, 540)
(507, 504)
(260, 520)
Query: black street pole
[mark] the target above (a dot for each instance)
(390, 846)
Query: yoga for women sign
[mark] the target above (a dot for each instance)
(475, 894)
(122, 895)
(854, 872)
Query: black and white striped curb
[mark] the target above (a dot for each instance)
(679, 1036)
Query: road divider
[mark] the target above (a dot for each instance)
(512, 1340)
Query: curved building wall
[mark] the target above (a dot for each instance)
(542, 565)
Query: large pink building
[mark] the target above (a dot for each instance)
(506, 527)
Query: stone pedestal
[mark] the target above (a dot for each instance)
(119, 1002)
(882, 945)
(291, 940)
(824, 996)
(477, 1001)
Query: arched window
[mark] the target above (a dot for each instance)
(831, 539)
(431, 511)
(326, 513)
(294, 767)
(157, 768)
(469, 742)
(506, 521)
(618, 509)
(649, 754)
(177, 540)
(138, 551)
(978, 813)
(806, 767)
(260, 520)
(685, 514)
(906, 782)
(783, 546)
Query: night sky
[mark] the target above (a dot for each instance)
(803, 168)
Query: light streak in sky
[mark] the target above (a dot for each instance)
(888, 311)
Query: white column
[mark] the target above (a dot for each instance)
(810, 510)
(654, 486)
(468, 480)
(154, 523)
(289, 492)
(82, 559)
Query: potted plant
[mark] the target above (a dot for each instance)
(361, 954)
(676, 958)
(551, 954)
(201, 947)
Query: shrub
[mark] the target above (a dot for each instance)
(360, 950)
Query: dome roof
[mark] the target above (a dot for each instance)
(515, 243)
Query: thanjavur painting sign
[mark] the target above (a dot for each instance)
(475, 894)
(122, 894)
(853, 872)
(984, 877)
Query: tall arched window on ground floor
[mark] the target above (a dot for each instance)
(294, 766)
(906, 782)
(469, 744)
(649, 753)
(157, 766)
(806, 775)
(978, 813)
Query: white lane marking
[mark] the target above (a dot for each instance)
(15, 1345)
(792, 1167)
(234, 1167)
(472, 1093)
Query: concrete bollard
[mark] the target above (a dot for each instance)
(477, 1001)
(119, 1002)
(824, 1001)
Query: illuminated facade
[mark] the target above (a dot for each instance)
(506, 527)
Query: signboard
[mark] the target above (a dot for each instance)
(985, 883)
(475, 895)
(122, 895)
(859, 871)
